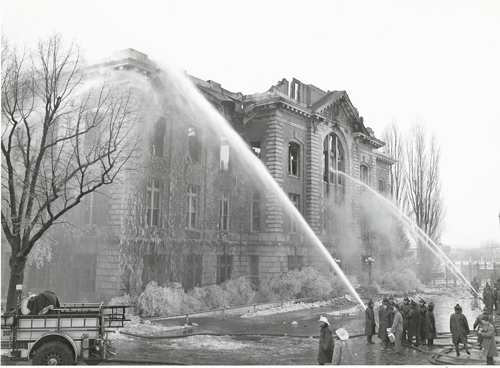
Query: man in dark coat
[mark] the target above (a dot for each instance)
(326, 344)
(413, 323)
(474, 291)
(385, 317)
(430, 326)
(369, 322)
(405, 309)
(423, 310)
(459, 327)
(477, 324)
(475, 285)
(488, 298)
(496, 298)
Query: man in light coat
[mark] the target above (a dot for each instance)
(488, 336)
(397, 329)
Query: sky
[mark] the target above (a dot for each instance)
(436, 62)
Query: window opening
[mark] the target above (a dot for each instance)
(256, 148)
(224, 268)
(224, 154)
(194, 144)
(293, 159)
(192, 207)
(224, 212)
(153, 202)
(255, 211)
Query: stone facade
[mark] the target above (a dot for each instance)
(186, 215)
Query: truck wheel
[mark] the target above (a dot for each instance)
(53, 353)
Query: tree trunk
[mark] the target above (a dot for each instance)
(17, 265)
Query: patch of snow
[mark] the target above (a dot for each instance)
(138, 326)
(213, 342)
(117, 336)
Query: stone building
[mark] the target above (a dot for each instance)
(194, 213)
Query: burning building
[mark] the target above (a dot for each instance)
(193, 213)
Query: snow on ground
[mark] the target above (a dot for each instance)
(292, 306)
(212, 342)
(138, 326)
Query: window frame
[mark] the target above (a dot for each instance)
(153, 198)
(224, 207)
(295, 262)
(294, 160)
(223, 164)
(255, 219)
(157, 138)
(194, 144)
(225, 266)
(333, 158)
(192, 207)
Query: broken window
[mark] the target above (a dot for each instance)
(194, 144)
(293, 159)
(157, 137)
(256, 148)
(333, 159)
(224, 154)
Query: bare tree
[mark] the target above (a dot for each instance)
(425, 201)
(65, 133)
(394, 140)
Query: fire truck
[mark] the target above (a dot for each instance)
(62, 336)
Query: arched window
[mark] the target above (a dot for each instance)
(293, 159)
(333, 159)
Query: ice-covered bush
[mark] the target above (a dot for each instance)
(165, 300)
(306, 283)
(171, 299)
(239, 291)
(314, 284)
(400, 281)
(215, 297)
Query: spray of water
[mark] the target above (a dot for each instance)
(421, 235)
(195, 101)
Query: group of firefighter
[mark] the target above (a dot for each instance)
(403, 322)
(417, 321)
(490, 297)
